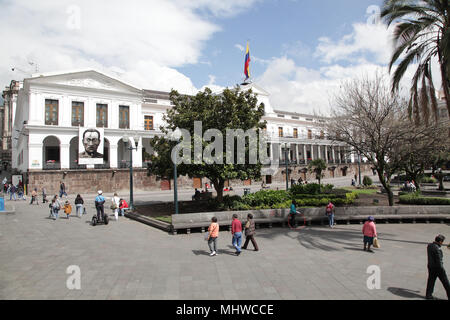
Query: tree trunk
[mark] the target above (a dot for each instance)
(445, 83)
(386, 185)
(218, 185)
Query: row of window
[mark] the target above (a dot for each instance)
(310, 136)
(52, 113)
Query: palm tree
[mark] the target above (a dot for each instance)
(422, 32)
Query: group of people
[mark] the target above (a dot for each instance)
(118, 205)
(15, 192)
(236, 232)
(410, 186)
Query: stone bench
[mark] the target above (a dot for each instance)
(312, 215)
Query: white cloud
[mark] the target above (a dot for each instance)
(143, 41)
(366, 39)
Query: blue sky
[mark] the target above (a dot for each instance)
(301, 50)
(273, 27)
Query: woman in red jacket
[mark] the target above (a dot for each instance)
(370, 232)
(122, 206)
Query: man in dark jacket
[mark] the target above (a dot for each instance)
(436, 267)
(250, 233)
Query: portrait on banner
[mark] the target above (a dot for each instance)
(91, 146)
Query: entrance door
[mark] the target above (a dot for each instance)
(197, 183)
(268, 179)
(165, 185)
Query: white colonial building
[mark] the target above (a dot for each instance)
(52, 107)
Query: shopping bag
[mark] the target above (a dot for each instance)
(376, 243)
(207, 236)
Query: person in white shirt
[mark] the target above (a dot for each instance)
(115, 205)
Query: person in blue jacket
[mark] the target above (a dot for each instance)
(99, 202)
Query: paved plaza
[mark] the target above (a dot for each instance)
(129, 260)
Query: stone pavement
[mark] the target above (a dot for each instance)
(129, 260)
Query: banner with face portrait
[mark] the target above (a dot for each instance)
(91, 146)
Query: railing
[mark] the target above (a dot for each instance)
(102, 166)
(76, 166)
(123, 164)
(52, 166)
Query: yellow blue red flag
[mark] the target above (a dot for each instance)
(247, 63)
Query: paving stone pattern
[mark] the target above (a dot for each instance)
(129, 260)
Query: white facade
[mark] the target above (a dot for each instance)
(35, 142)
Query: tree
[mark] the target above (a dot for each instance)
(421, 148)
(421, 34)
(318, 166)
(370, 119)
(233, 109)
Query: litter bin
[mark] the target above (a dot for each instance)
(246, 191)
(2, 204)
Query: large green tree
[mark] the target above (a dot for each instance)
(422, 33)
(232, 109)
(318, 167)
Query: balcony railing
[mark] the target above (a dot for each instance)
(52, 165)
(76, 166)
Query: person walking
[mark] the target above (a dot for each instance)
(370, 232)
(292, 215)
(44, 195)
(115, 205)
(213, 236)
(79, 202)
(250, 231)
(62, 190)
(12, 192)
(236, 232)
(99, 202)
(56, 206)
(34, 196)
(330, 214)
(67, 208)
(436, 268)
(123, 205)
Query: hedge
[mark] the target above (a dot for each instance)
(428, 201)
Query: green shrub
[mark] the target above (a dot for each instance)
(367, 181)
(428, 180)
(427, 201)
(311, 188)
(266, 198)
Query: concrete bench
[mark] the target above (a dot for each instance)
(345, 215)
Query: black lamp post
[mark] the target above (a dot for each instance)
(175, 136)
(129, 146)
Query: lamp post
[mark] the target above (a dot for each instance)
(128, 143)
(287, 166)
(175, 136)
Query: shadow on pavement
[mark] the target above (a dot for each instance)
(406, 293)
(413, 242)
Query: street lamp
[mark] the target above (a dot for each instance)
(175, 136)
(127, 142)
(287, 165)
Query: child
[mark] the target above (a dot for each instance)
(213, 235)
(67, 208)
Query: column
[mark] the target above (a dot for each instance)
(113, 158)
(297, 149)
(65, 156)
(312, 152)
(319, 155)
(326, 154)
(332, 154)
(304, 154)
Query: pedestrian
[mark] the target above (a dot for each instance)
(213, 236)
(370, 232)
(123, 205)
(292, 214)
(62, 190)
(34, 196)
(436, 268)
(353, 183)
(115, 205)
(330, 214)
(236, 232)
(79, 202)
(20, 192)
(44, 195)
(99, 202)
(12, 192)
(250, 231)
(56, 206)
(67, 208)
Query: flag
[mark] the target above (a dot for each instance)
(247, 63)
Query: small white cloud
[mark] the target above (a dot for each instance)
(241, 48)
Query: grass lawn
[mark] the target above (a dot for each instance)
(362, 191)
(167, 219)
